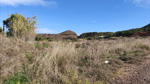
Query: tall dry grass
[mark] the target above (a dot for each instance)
(72, 62)
(12, 55)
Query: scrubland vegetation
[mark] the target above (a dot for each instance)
(24, 61)
(68, 62)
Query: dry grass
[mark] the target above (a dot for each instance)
(69, 62)
(12, 55)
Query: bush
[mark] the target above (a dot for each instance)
(17, 78)
(50, 39)
(37, 38)
(90, 38)
(135, 57)
(45, 45)
(37, 45)
(74, 39)
(144, 47)
(21, 27)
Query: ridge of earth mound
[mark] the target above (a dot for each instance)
(68, 32)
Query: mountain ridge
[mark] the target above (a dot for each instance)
(143, 31)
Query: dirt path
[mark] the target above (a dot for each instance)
(140, 75)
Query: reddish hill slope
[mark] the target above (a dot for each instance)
(64, 35)
(147, 33)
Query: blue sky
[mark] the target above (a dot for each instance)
(55, 16)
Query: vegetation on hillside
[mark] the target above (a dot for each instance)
(96, 35)
(66, 35)
(144, 31)
(132, 31)
(99, 35)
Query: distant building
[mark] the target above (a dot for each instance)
(101, 36)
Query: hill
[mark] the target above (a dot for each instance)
(61, 36)
(96, 35)
(143, 31)
(68, 32)
(147, 33)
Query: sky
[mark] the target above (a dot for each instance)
(55, 16)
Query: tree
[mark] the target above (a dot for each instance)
(21, 27)
(1, 30)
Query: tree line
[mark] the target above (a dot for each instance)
(125, 33)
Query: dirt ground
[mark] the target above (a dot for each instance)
(139, 74)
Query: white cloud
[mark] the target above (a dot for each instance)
(44, 30)
(141, 3)
(26, 2)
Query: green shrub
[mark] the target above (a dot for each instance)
(119, 51)
(77, 45)
(134, 57)
(144, 47)
(18, 78)
(50, 39)
(37, 38)
(37, 45)
(90, 38)
(84, 62)
(73, 39)
(45, 45)
(29, 57)
(118, 62)
(125, 58)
